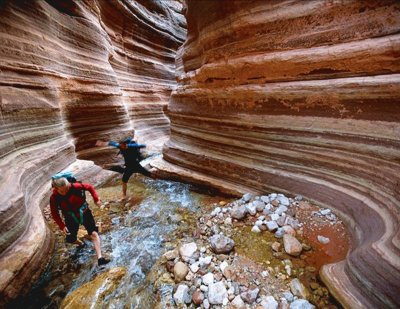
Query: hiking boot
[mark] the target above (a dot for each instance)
(102, 261)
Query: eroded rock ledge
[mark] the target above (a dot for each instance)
(300, 97)
(72, 72)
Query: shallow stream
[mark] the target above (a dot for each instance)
(134, 234)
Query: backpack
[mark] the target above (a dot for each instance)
(71, 179)
(68, 175)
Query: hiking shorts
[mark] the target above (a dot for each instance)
(129, 170)
(73, 226)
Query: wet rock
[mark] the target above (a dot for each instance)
(194, 267)
(223, 265)
(283, 200)
(221, 244)
(204, 261)
(301, 304)
(228, 221)
(95, 291)
(272, 226)
(268, 302)
(197, 297)
(190, 276)
(289, 230)
(251, 209)
(186, 251)
(280, 210)
(238, 303)
(250, 296)
(229, 272)
(265, 198)
(292, 245)
(274, 217)
(281, 220)
(170, 266)
(247, 197)
(298, 198)
(288, 296)
(239, 212)
(217, 293)
(325, 212)
(180, 271)
(208, 279)
(215, 212)
(323, 240)
(276, 246)
(284, 304)
(182, 295)
(215, 230)
(171, 255)
(279, 233)
(298, 289)
(259, 205)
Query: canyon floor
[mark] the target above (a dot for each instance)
(146, 235)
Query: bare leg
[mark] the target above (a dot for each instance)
(78, 242)
(96, 242)
(124, 189)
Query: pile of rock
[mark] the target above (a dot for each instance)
(204, 269)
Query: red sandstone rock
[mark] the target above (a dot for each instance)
(73, 72)
(300, 97)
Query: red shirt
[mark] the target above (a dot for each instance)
(69, 202)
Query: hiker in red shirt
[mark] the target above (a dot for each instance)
(71, 200)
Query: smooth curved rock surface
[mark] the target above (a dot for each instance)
(93, 293)
(72, 72)
(300, 97)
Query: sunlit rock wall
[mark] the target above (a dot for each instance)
(301, 97)
(72, 72)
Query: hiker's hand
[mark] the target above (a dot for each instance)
(66, 231)
(98, 203)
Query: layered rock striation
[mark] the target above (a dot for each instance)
(301, 97)
(72, 72)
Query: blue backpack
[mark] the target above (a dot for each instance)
(68, 175)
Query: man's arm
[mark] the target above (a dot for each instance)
(55, 214)
(134, 145)
(100, 143)
(90, 188)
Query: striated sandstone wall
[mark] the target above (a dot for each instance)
(72, 72)
(301, 97)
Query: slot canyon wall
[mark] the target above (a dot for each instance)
(73, 72)
(301, 97)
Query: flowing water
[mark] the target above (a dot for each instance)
(134, 234)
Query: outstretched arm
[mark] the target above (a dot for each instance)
(134, 145)
(100, 143)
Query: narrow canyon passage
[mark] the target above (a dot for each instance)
(286, 105)
(161, 215)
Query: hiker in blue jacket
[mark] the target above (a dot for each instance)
(130, 150)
